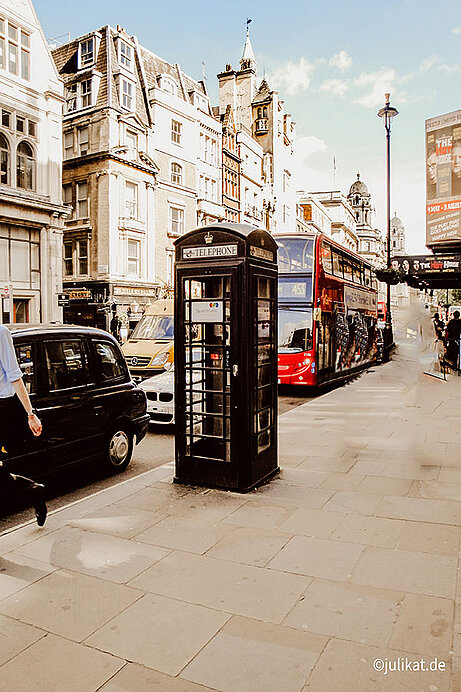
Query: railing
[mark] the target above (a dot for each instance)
(261, 126)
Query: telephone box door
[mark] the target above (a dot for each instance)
(207, 374)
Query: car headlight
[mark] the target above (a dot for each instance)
(161, 359)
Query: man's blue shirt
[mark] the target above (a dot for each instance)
(9, 368)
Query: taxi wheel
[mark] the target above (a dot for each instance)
(119, 449)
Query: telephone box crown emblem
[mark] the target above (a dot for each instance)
(208, 238)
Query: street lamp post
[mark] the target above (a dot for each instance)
(387, 113)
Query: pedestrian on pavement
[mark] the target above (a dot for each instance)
(17, 421)
(452, 336)
(438, 325)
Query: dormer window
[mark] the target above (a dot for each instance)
(86, 53)
(168, 85)
(125, 55)
(127, 94)
(86, 93)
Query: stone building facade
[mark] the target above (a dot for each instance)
(142, 165)
(370, 240)
(31, 211)
(343, 220)
(260, 119)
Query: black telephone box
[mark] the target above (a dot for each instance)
(226, 357)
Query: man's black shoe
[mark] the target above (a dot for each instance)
(41, 511)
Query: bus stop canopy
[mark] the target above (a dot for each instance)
(429, 271)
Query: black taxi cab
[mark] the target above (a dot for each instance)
(80, 386)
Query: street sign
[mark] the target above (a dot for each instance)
(6, 291)
(63, 300)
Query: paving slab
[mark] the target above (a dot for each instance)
(424, 625)
(249, 546)
(317, 557)
(249, 656)
(345, 666)
(159, 633)
(15, 637)
(403, 570)
(346, 611)
(95, 554)
(234, 588)
(54, 664)
(136, 677)
(69, 604)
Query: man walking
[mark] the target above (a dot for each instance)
(17, 421)
(452, 336)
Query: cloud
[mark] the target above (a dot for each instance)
(312, 164)
(376, 84)
(429, 62)
(334, 86)
(341, 60)
(456, 30)
(293, 77)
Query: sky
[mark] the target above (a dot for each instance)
(331, 62)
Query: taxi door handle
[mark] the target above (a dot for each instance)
(235, 369)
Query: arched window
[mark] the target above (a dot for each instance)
(265, 112)
(4, 160)
(25, 167)
(176, 174)
(259, 113)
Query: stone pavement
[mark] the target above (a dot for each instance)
(349, 556)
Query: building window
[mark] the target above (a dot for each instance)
(71, 98)
(131, 200)
(82, 256)
(134, 258)
(32, 126)
(87, 52)
(25, 55)
(67, 194)
(13, 49)
(86, 93)
(176, 132)
(169, 86)
(2, 44)
(214, 152)
(131, 139)
(20, 124)
(83, 141)
(82, 200)
(25, 166)
(4, 160)
(176, 221)
(6, 118)
(176, 174)
(127, 94)
(68, 145)
(125, 55)
(68, 260)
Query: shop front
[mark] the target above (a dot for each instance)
(105, 305)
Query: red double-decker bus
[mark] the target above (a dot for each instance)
(327, 310)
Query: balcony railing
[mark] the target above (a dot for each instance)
(253, 212)
(261, 126)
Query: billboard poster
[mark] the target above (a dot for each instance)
(443, 179)
(427, 264)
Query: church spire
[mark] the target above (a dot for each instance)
(248, 56)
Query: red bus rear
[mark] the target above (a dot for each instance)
(327, 310)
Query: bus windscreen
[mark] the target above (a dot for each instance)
(295, 255)
(295, 329)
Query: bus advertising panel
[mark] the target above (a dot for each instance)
(443, 179)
